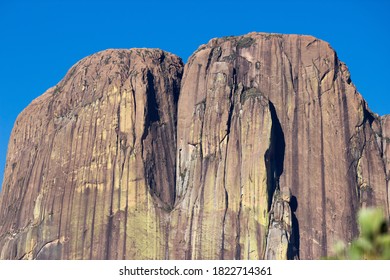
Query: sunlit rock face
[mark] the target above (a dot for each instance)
(91, 163)
(260, 147)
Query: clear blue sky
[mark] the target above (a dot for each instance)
(41, 40)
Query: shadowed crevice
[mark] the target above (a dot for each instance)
(158, 153)
(153, 114)
(294, 245)
(274, 159)
(274, 156)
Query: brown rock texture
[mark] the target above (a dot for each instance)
(268, 153)
(385, 137)
(324, 147)
(91, 164)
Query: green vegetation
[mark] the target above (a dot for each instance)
(373, 242)
(245, 42)
(226, 38)
(250, 93)
(272, 35)
(57, 89)
(121, 55)
(72, 71)
(107, 59)
(230, 58)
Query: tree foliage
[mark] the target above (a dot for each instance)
(373, 242)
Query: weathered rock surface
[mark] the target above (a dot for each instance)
(385, 137)
(91, 164)
(268, 153)
(323, 145)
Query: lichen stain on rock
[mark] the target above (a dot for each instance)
(112, 163)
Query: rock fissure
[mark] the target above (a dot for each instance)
(228, 124)
(138, 158)
(324, 237)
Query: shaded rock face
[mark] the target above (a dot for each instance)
(268, 154)
(385, 137)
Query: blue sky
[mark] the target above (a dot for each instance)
(41, 40)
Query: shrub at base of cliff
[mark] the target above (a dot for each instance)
(373, 242)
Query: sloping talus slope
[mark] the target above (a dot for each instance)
(269, 152)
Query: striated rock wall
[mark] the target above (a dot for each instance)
(222, 188)
(324, 152)
(385, 137)
(91, 164)
(268, 153)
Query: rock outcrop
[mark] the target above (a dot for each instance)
(385, 137)
(269, 152)
(91, 165)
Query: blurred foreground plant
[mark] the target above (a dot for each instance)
(373, 242)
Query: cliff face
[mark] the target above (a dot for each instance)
(91, 164)
(385, 137)
(318, 141)
(268, 153)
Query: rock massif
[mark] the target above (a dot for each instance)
(91, 166)
(259, 148)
